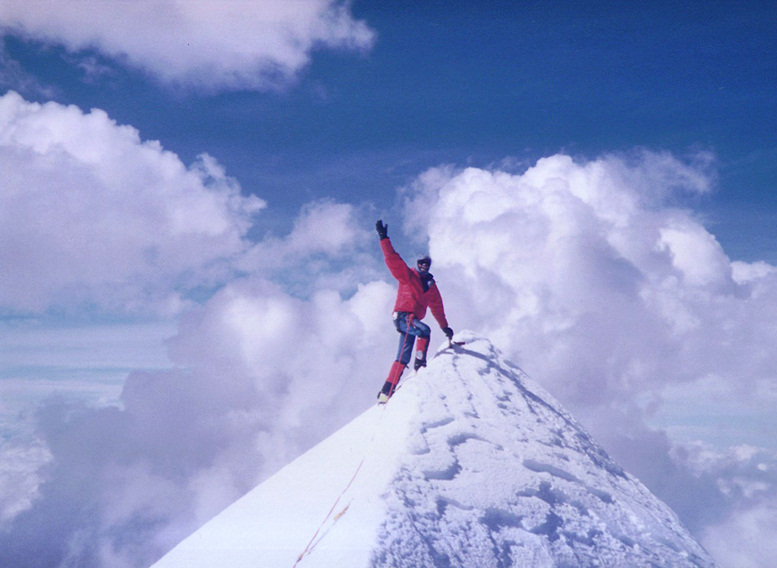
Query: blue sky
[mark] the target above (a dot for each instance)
(473, 84)
(189, 193)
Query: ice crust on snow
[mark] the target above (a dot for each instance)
(470, 464)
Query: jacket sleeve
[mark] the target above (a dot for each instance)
(435, 304)
(396, 265)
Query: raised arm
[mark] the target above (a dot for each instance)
(396, 265)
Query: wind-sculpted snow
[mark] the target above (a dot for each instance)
(471, 464)
(508, 478)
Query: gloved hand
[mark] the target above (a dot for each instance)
(382, 229)
(448, 332)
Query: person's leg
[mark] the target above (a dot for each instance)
(409, 328)
(405, 325)
(391, 382)
(422, 343)
(404, 351)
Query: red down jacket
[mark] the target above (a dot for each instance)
(411, 296)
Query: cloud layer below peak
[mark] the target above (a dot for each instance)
(591, 261)
(627, 308)
(587, 274)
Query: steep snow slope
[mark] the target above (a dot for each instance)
(471, 464)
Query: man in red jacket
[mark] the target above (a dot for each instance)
(417, 292)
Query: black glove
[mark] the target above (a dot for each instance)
(382, 229)
(448, 332)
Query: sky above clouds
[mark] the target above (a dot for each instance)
(191, 289)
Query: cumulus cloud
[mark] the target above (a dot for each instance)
(594, 283)
(260, 374)
(325, 228)
(20, 477)
(325, 249)
(240, 44)
(586, 274)
(592, 279)
(748, 480)
(90, 213)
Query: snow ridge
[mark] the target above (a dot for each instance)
(501, 475)
(471, 463)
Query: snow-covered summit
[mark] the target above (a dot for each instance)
(470, 464)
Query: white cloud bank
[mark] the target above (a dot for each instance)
(584, 273)
(587, 275)
(90, 213)
(616, 300)
(260, 377)
(238, 44)
(94, 216)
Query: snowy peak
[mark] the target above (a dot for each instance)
(471, 463)
(499, 468)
